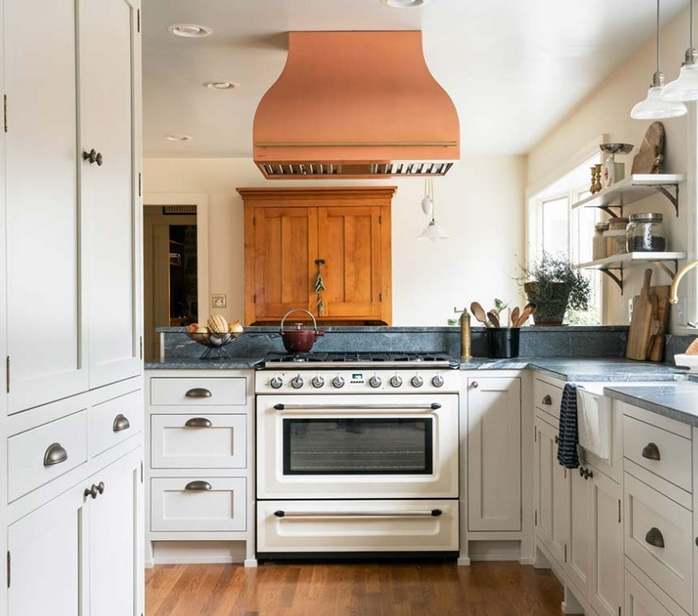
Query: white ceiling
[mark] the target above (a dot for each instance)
(514, 68)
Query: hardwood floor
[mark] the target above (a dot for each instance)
(483, 589)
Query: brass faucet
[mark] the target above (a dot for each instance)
(465, 335)
(682, 271)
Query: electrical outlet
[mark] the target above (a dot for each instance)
(219, 300)
(680, 311)
(630, 310)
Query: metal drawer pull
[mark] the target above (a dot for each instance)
(198, 422)
(91, 491)
(121, 423)
(198, 392)
(557, 439)
(547, 400)
(94, 157)
(654, 537)
(198, 486)
(651, 452)
(55, 454)
(433, 513)
(356, 407)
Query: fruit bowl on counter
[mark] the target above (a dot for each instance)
(215, 335)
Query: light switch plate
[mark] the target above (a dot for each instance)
(219, 300)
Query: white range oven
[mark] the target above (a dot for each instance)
(357, 455)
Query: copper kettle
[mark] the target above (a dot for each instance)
(298, 338)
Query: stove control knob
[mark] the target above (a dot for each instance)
(318, 382)
(375, 381)
(438, 381)
(417, 381)
(276, 382)
(395, 381)
(338, 382)
(297, 382)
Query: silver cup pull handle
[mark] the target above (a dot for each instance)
(55, 454)
(121, 423)
(198, 486)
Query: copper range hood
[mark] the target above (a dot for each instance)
(355, 105)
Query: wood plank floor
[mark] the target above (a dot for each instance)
(440, 589)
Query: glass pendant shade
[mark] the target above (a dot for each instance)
(433, 232)
(685, 88)
(655, 107)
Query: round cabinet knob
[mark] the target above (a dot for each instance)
(276, 382)
(338, 382)
(474, 385)
(297, 382)
(317, 382)
(417, 381)
(438, 381)
(395, 381)
(375, 381)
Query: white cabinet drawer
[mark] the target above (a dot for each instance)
(198, 441)
(349, 526)
(222, 391)
(198, 504)
(114, 421)
(639, 601)
(37, 456)
(651, 521)
(547, 397)
(664, 453)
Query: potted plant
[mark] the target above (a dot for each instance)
(554, 285)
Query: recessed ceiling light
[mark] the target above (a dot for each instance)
(405, 4)
(177, 137)
(190, 30)
(221, 85)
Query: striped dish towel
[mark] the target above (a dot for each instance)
(568, 437)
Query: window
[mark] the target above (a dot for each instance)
(554, 227)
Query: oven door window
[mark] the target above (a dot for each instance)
(371, 446)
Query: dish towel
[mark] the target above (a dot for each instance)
(568, 436)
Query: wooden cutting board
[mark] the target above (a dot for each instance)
(640, 326)
(660, 323)
(651, 153)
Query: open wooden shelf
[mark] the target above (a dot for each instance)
(635, 188)
(618, 263)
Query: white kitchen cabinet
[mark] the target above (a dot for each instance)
(46, 334)
(108, 190)
(78, 554)
(494, 454)
(551, 496)
(580, 544)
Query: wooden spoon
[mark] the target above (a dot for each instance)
(528, 310)
(494, 319)
(515, 314)
(479, 313)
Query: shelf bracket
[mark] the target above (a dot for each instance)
(610, 212)
(672, 197)
(617, 278)
(664, 267)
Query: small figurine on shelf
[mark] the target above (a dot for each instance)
(597, 180)
(592, 186)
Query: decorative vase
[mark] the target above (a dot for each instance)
(550, 311)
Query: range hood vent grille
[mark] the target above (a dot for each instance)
(356, 170)
(355, 105)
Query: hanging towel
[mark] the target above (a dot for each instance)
(568, 437)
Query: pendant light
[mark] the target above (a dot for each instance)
(433, 231)
(685, 88)
(655, 106)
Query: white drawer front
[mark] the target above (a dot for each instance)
(348, 526)
(643, 442)
(28, 456)
(114, 421)
(217, 391)
(651, 517)
(639, 601)
(198, 441)
(177, 504)
(547, 397)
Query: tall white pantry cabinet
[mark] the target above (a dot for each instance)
(71, 402)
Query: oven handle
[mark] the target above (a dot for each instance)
(356, 407)
(432, 513)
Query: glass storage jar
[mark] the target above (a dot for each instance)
(646, 233)
(615, 236)
(598, 247)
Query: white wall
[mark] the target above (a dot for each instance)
(607, 110)
(480, 203)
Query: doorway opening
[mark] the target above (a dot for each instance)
(174, 275)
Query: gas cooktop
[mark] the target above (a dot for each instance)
(377, 359)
